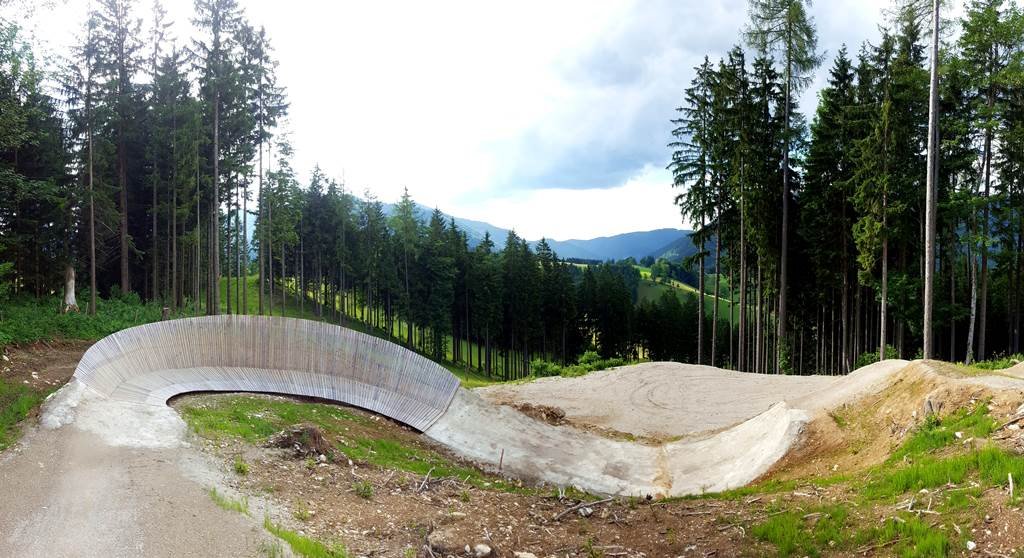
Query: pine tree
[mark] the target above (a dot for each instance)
(784, 26)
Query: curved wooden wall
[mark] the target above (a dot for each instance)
(151, 363)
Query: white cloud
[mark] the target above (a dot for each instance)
(643, 202)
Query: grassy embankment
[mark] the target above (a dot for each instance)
(920, 502)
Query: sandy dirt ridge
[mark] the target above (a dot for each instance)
(667, 400)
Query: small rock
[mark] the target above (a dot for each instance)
(1020, 410)
(443, 541)
(322, 458)
(586, 511)
(526, 555)
(1013, 427)
(481, 550)
(971, 545)
(958, 435)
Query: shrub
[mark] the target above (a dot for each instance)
(871, 357)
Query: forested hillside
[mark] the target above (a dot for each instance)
(160, 166)
(822, 218)
(141, 162)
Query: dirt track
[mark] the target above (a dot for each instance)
(667, 399)
(68, 493)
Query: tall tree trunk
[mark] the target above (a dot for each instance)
(972, 262)
(92, 207)
(885, 295)
(214, 274)
(742, 348)
(784, 248)
(714, 312)
(983, 295)
(700, 305)
(931, 178)
(244, 250)
(154, 259)
(759, 324)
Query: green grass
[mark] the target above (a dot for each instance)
(648, 290)
(16, 402)
(305, 546)
(255, 419)
(793, 535)
(229, 504)
(999, 363)
(241, 467)
(363, 489)
(938, 433)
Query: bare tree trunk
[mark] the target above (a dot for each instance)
(971, 259)
(700, 305)
(714, 311)
(92, 221)
(70, 304)
(214, 283)
(931, 196)
(784, 248)
(983, 295)
(885, 295)
(742, 348)
(245, 248)
(758, 325)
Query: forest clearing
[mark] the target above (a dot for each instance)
(524, 280)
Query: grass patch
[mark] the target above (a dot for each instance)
(937, 433)
(305, 546)
(802, 534)
(393, 454)
(254, 419)
(908, 537)
(16, 402)
(999, 363)
(228, 503)
(364, 489)
(241, 467)
(827, 529)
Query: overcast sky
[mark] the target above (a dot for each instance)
(549, 117)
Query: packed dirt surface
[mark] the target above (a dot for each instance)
(68, 493)
(662, 401)
(43, 365)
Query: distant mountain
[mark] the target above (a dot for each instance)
(677, 250)
(669, 243)
(636, 245)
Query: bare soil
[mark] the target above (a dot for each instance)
(43, 365)
(406, 508)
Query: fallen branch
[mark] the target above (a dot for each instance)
(581, 505)
(426, 479)
(1014, 420)
(866, 549)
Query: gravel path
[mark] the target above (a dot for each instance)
(69, 492)
(668, 399)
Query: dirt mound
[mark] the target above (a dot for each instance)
(304, 439)
(865, 431)
(546, 413)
